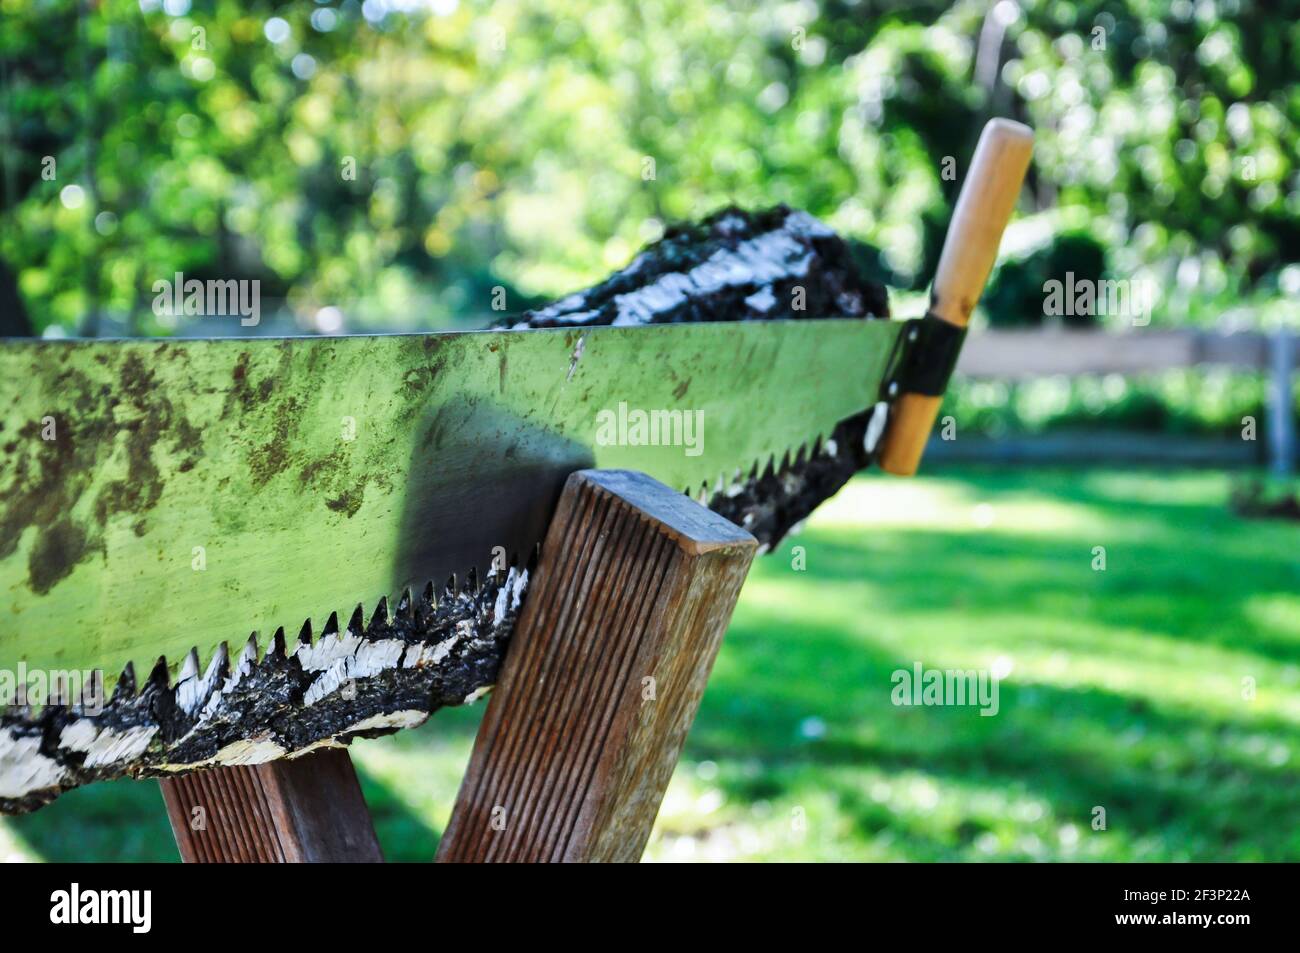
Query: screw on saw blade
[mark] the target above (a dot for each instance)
(577, 356)
(875, 426)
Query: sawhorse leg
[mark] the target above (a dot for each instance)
(307, 809)
(634, 590)
(610, 656)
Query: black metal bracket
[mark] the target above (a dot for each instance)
(933, 346)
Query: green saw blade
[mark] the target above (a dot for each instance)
(161, 495)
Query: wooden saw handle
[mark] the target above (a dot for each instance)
(983, 208)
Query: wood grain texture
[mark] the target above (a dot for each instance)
(309, 809)
(612, 651)
(1040, 353)
(988, 196)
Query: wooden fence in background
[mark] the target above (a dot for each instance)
(1020, 355)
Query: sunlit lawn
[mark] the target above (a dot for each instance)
(1127, 691)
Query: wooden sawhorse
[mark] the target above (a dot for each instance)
(609, 659)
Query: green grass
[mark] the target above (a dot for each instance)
(1125, 691)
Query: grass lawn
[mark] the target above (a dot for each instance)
(1125, 690)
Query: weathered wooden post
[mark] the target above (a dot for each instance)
(612, 651)
(309, 809)
(1281, 402)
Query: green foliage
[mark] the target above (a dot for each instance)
(1195, 401)
(1015, 295)
(1171, 128)
(536, 145)
(1125, 691)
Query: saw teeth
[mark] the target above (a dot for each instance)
(189, 690)
(380, 617)
(190, 667)
(248, 657)
(160, 677)
(219, 667)
(124, 690)
(188, 727)
(405, 609)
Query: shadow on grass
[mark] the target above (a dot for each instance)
(1174, 785)
(1124, 692)
(1140, 712)
(1167, 588)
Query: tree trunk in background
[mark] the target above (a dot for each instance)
(13, 316)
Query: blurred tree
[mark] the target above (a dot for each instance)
(1015, 296)
(394, 161)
